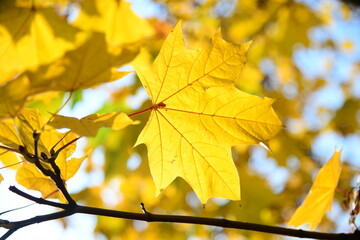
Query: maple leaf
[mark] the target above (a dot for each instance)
(8, 134)
(321, 195)
(98, 62)
(89, 125)
(9, 159)
(198, 115)
(114, 18)
(13, 95)
(29, 31)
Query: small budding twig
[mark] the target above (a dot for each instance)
(144, 210)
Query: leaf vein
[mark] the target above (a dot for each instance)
(192, 146)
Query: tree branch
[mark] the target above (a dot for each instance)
(14, 226)
(56, 177)
(69, 209)
(149, 217)
(37, 200)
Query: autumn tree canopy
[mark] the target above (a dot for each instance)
(179, 111)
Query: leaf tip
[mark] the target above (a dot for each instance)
(265, 144)
(246, 45)
(178, 26)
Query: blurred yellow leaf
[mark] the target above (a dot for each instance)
(70, 167)
(250, 79)
(32, 35)
(97, 63)
(13, 95)
(198, 114)
(31, 178)
(9, 159)
(115, 19)
(346, 12)
(346, 118)
(89, 125)
(285, 35)
(8, 134)
(348, 46)
(320, 196)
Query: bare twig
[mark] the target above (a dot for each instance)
(69, 210)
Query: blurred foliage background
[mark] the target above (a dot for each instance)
(305, 54)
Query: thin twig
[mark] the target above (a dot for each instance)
(37, 200)
(58, 110)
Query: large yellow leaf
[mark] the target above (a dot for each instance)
(321, 195)
(88, 126)
(32, 35)
(198, 114)
(13, 95)
(84, 67)
(115, 18)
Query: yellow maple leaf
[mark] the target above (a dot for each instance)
(97, 63)
(198, 115)
(31, 35)
(8, 134)
(115, 19)
(13, 95)
(89, 125)
(9, 159)
(321, 195)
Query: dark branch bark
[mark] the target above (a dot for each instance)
(14, 226)
(69, 209)
(37, 200)
(55, 176)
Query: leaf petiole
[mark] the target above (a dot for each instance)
(142, 111)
